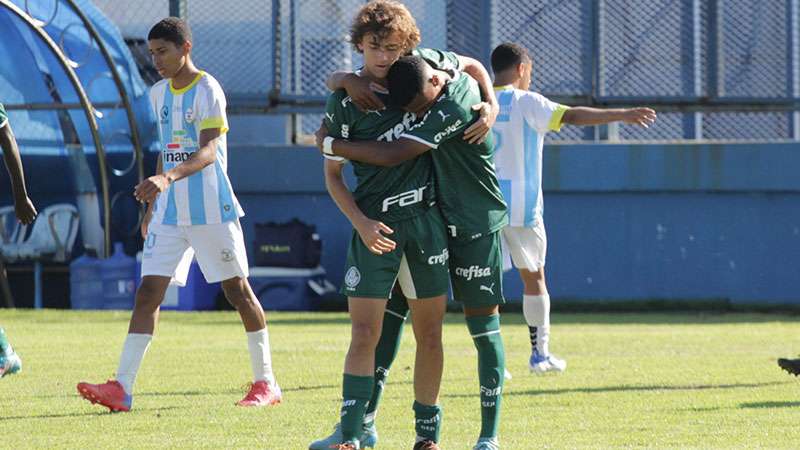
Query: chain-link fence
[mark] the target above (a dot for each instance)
(697, 61)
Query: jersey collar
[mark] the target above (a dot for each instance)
(503, 88)
(189, 86)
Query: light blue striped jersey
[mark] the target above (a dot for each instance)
(524, 118)
(205, 197)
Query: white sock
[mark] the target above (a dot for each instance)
(260, 357)
(131, 358)
(536, 309)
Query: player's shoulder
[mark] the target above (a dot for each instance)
(207, 81)
(530, 95)
(159, 86)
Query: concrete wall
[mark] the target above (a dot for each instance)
(625, 222)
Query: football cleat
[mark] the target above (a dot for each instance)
(427, 444)
(541, 364)
(345, 446)
(790, 365)
(369, 438)
(262, 393)
(110, 394)
(9, 364)
(487, 444)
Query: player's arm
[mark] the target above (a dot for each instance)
(23, 207)
(585, 116)
(148, 190)
(370, 231)
(489, 109)
(377, 153)
(148, 214)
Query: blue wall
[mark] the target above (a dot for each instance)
(625, 222)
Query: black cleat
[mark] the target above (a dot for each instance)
(790, 365)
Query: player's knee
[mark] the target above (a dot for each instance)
(236, 292)
(429, 339)
(365, 335)
(148, 296)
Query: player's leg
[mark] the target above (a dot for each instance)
(424, 279)
(221, 254)
(10, 362)
(368, 282)
(385, 352)
(528, 249)
(476, 273)
(166, 256)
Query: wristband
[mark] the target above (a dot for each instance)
(327, 145)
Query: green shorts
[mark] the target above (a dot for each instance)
(418, 263)
(476, 271)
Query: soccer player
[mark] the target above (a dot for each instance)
(192, 211)
(525, 117)
(10, 361)
(790, 365)
(469, 197)
(398, 234)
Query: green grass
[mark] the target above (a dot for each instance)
(634, 380)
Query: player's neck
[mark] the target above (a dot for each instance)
(380, 81)
(501, 81)
(185, 75)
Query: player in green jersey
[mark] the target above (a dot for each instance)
(25, 212)
(397, 234)
(470, 199)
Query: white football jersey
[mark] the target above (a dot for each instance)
(205, 197)
(524, 118)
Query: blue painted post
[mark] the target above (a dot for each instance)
(37, 285)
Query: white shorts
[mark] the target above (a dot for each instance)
(219, 249)
(527, 247)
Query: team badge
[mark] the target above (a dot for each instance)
(352, 278)
(164, 114)
(227, 255)
(189, 116)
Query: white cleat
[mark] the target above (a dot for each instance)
(540, 364)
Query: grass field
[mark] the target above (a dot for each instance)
(634, 380)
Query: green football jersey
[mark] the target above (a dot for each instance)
(3, 115)
(387, 193)
(467, 189)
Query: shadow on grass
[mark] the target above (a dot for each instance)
(645, 388)
(97, 413)
(759, 405)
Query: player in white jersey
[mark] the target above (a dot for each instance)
(525, 117)
(192, 212)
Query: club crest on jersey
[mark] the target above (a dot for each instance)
(164, 114)
(189, 115)
(352, 278)
(227, 255)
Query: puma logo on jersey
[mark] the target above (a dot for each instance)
(403, 199)
(444, 116)
(489, 289)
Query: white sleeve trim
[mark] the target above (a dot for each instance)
(418, 139)
(3, 123)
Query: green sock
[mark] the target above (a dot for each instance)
(386, 350)
(427, 421)
(356, 391)
(5, 347)
(485, 331)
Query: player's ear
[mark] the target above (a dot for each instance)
(520, 70)
(186, 48)
(435, 80)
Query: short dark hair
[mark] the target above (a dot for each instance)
(172, 29)
(406, 78)
(508, 55)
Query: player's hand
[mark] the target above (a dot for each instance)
(148, 190)
(478, 131)
(148, 216)
(24, 209)
(362, 92)
(643, 117)
(321, 134)
(372, 235)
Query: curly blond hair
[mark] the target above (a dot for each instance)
(382, 18)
